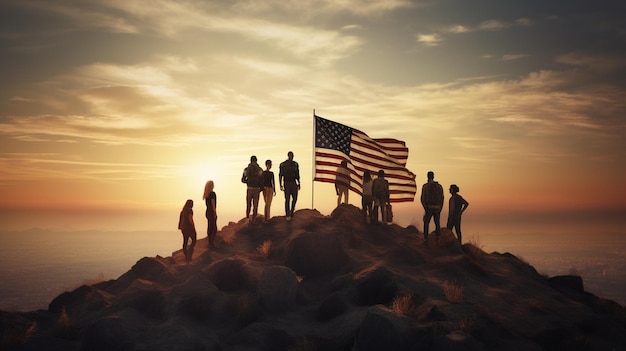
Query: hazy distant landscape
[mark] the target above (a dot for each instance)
(38, 265)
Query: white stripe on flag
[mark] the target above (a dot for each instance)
(364, 153)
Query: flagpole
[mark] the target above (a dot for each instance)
(313, 168)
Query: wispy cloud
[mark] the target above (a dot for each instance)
(437, 37)
(512, 57)
(176, 19)
(432, 39)
(492, 25)
(33, 166)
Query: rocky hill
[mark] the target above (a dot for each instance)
(325, 283)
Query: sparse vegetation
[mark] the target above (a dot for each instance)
(475, 241)
(98, 279)
(388, 292)
(453, 291)
(467, 325)
(404, 304)
(474, 248)
(446, 238)
(265, 249)
(65, 326)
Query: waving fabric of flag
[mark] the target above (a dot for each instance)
(335, 142)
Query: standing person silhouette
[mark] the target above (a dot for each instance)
(289, 180)
(457, 205)
(269, 188)
(380, 191)
(432, 201)
(252, 177)
(367, 198)
(188, 228)
(342, 182)
(210, 199)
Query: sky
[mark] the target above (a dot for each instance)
(113, 113)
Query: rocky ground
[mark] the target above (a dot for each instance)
(325, 283)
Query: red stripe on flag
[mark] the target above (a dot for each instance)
(365, 153)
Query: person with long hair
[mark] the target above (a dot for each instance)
(210, 199)
(269, 188)
(188, 228)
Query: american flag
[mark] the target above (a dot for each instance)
(335, 142)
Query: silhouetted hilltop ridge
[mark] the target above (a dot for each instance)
(325, 283)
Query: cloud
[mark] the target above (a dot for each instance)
(316, 8)
(435, 39)
(493, 25)
(512, 57)
(594, 62)
(176, 19)
(429, 39)
(457, 29)
(189, 97)
(51, 166)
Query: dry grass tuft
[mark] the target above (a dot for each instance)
(475, 240)
(453, 292)
(65, 326)
(467, 325)
(473, 249)
(405, 305)
(445, 239)
(98, 279)
(265, 249)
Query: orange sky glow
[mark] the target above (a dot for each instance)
(112, 115)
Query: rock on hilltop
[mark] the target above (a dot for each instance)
(325, 283)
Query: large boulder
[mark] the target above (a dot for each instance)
(376, 286)
(382, 329)
(154, 269)
(316, 254)
(277, 288)
(84, 299)
(230, 275)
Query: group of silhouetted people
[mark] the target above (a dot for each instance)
(258, 182)
(374, 197)
(432, 201)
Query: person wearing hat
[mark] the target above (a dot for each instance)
(457, 205)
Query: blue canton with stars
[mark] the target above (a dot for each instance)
(332, 135)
